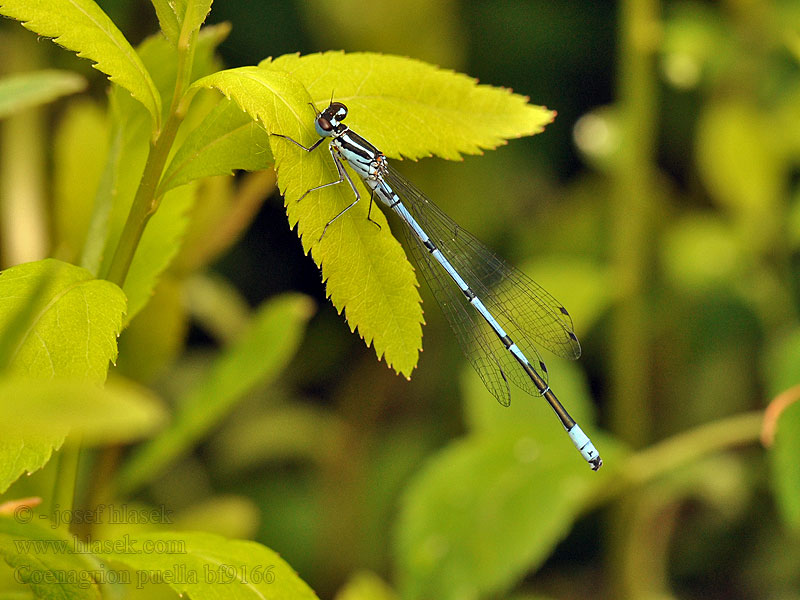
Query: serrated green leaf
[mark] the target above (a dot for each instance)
(412, 109)
(118, 412)
(18, 92)
(46, 559)
(491, 508)
(228, 139)
(216, 567)
(167, 13)
(73, 323)
(23, 455)
(195, 13)
(264, 349)
(56, 321)
(81, 26)
(364, 267)
(785, 474)
(173, 15)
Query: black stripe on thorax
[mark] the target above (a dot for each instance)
(352, 142)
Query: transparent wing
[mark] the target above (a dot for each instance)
(527, 312)
(476, 338)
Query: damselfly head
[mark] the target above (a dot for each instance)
(330, 118)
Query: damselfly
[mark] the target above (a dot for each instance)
(508, 309)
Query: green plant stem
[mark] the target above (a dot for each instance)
(66, 478)
(644, 551)
(632, 546)
(691, 446)
(633, 204)
(633, 219)
(146, 201)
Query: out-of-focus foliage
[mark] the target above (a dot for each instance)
(663, 195)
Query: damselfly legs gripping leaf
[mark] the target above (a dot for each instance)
(494, 309)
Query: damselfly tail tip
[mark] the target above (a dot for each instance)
(585, 447)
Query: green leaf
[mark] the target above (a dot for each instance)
(490, 508)
(409, 108)
(164, 232)
(49, 561)
(118, 412)
(168, 19)
(740, 162)
(144, 356)
(177, 14)
(701, 252)
(282, 433)
(55, 321)
(785, 474)
(105, 198)
(255, 359)
(204, 565)
(484, 414)
(780, 361)
(217, 306)
(227, 139)
(18, 92)
(73, 325)
(80, 152)
(24, 455)
(159, 245)
(366, 586)
(364, 267)
(81, 26)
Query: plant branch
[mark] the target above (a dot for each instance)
(691, 446)
(146, 201)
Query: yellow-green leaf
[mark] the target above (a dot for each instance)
(160, 243)
(227, 139)
(783, 457)
(80, 151)
(81, 26)
(48, 560)
(492, 507)
(366, 585)
(174, 15)
(214, 567)
(118, 412)
(56, 321)
(18, 92)
(413, 109)
(259, 355)
(364, 267)
(72, 320)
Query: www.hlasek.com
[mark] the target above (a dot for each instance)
(122, 545)
(177, 575)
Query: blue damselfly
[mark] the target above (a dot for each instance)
(492, 307)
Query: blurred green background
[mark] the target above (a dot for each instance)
(661, 207)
